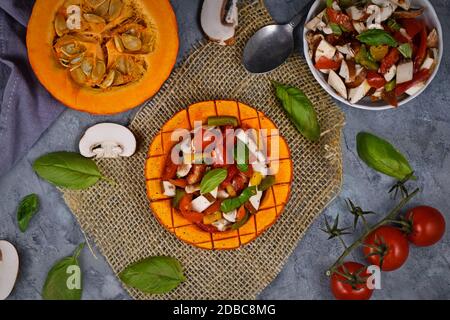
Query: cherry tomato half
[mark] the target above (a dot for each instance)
(390, 243)
(346, 291)
(427, 225)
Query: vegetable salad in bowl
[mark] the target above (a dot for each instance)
(373, 52)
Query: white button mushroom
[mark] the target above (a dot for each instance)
(415, 88)
(405, 72)
(324, 49)
(219, 24)
(356, 94)
(168, 188)
(390, 74)
(221, 224)
(337, 84)
(107, 140)
(9, 267)
(230, 216)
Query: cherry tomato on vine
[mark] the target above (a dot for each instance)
(349, 282)
(387, 246)
(427, 225)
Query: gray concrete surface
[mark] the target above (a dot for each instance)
(420, 129)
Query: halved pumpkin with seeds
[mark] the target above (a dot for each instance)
(102, 56)
(202, 189)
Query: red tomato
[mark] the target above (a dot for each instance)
(180, 183)
(391, 244)
(421, 51)
(390, 98)
(170, 170)
(240, 213)
(346, 291)
(185, 209)
(389, 60)
(341, 19)
(232, 171)
(412, 26)
(420, 76)
(325, 63)
(401, 38)
(427, 225)
(239, 182)
(375, 80)
(213, 208)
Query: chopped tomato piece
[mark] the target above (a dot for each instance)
(401, 38)
(421, 51)
(180, 183)
(375, 80)
(213, 208)
(341, 19)
(389, 60)
(390, 97)
(326, 64)
(240, 213)
(185, 209)
(170, 170)
(420, 76)
(412, 26)
(239, 182)
(232, 171)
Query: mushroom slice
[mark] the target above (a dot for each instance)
(169, 189)
(219, 19)
(408, 14)
(9, 268)
(183, 170)
(356, 94)
(230, 216)
(325, 49)
(201, 203)
(415, 88)
(404, 4)
(355, 13)
(337, 84)
(315, 22)
(221, 224)
(433, 39)
(404, 72)
(107, 140)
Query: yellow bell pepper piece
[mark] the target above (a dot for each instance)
(213, 217)
(256, 178)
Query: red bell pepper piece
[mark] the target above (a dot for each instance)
(180, 183)
(421, 51)
(375, 80)
(412, 26)
(326, 64)
(420, 76)
(341, 19)
(389, 60)
(187, 212)
(390, 98)
(401, 38)
(232, 172)
(170, 170)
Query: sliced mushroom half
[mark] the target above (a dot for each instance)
(9, 267)
(107, 140)
(219, 19)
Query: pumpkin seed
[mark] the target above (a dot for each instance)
(131, 43)
(122, 64)
(60, 25)
(78, 76)
(99, 71)
(64, 62)
(108, 80)
(77, 60)
(87, 66)
(102, 9)
(95, 3)
(115, 7)
(93, 18)
(70, 49)
(119, 79)
(118, 43)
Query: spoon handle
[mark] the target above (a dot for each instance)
(299, 17)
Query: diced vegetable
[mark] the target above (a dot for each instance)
(415, 88)
(428, 63)
(234, 203)
(254, 202)
(390, 98)
(180, 183)
(388, 76)
(200, 203)
(421, 51)
(335, 28)
(360, 27)
(420, 76)
(168, 189)
(230, 190)
(378, 52)
(221, 224)
(433, 39)
(241, 155)
(412, 26)
(390, 85)
(241, 221)
(222, 121)
(325, 49)
(327, 64)
(230, 216)
(356, 94)
(256, 178)
(340, 18)
(266, 183)
(388, 61)
(213, 217)
(406, 50)
(179, 193)
(183, 170)
(196, 173)
(355, 13)
(185, 207)
(404, 72)
(393, 24)
(337, 84)
(375, 80)
(192, 188)
(362, 57)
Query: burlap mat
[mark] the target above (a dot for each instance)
(118, 217)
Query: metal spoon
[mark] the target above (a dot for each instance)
(271, 45)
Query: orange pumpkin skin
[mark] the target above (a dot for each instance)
(272, 204)
(40, 36)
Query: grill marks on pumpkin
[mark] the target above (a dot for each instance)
(109, 50)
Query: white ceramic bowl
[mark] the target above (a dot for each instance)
(431, 20)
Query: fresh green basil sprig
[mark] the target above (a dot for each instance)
(241, 155)
(68, 170)
(64, 280)
(380, 155)
(377, 37)
(299, 109)
(406, 50)
(230, 204)
(28, 207)
(154, 274)
(212, 179)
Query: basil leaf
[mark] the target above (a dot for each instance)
(230, 204)
(380, 155)
(406, 50)
(241, 222)
(376, 37)
(212, 179)
(241, 155)
(299, 109)
(336, 28)
(64, 280)
(26, 210)
(68, 170)
(153, 275)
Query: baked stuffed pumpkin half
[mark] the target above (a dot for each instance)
(218, 174)
(102, 56)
